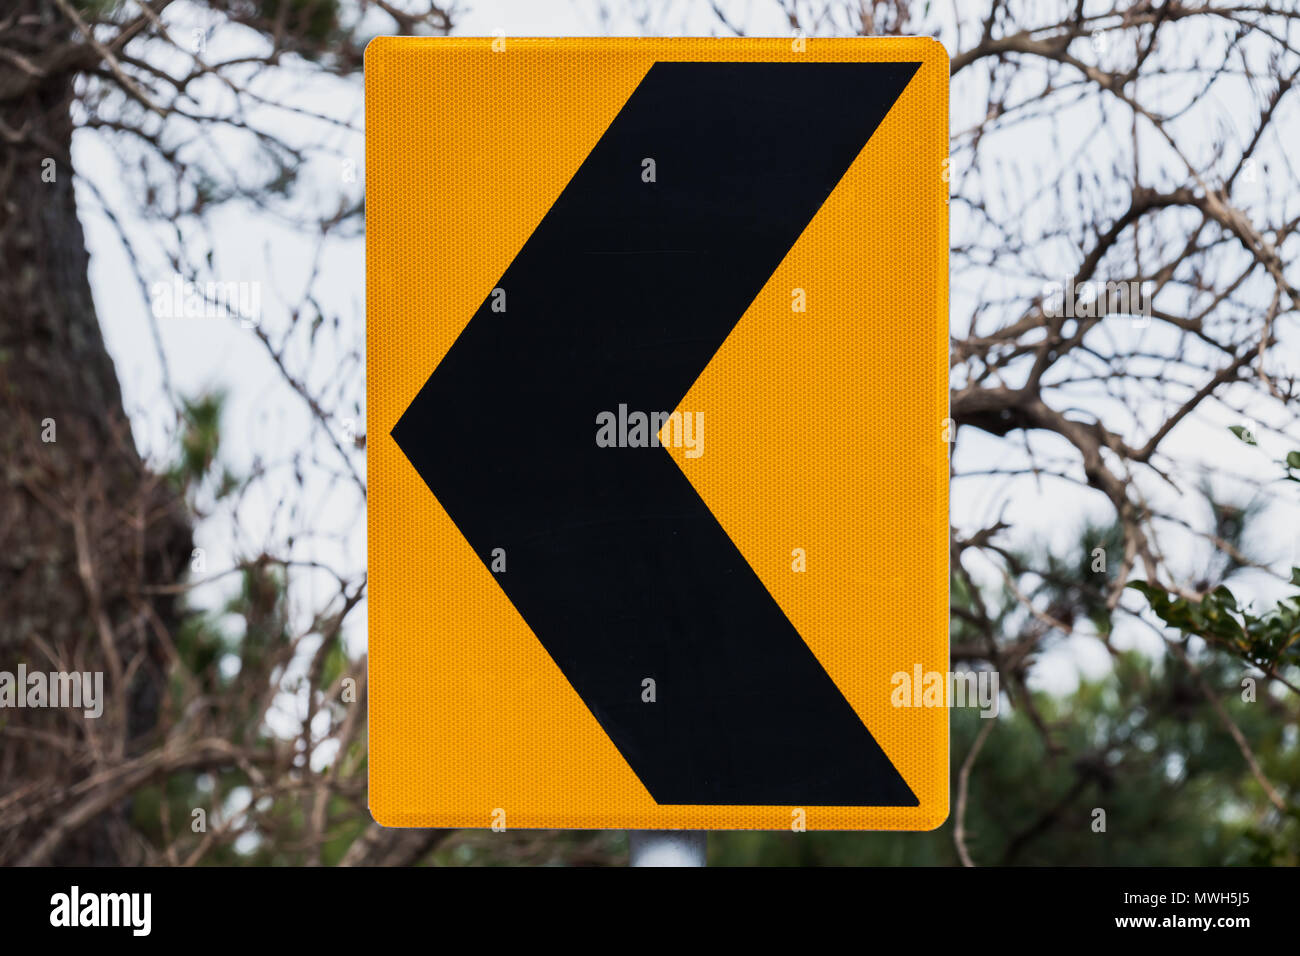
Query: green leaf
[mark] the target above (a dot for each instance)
(1244, 433)
(1225, 597)
(1150, 591)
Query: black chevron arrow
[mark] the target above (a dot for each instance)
(622, 295)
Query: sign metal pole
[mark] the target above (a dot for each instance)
(667, 847)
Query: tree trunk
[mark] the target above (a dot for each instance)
(86, 530)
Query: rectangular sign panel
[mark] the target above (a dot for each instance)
(657, 365)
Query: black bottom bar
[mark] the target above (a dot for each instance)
(397, 909)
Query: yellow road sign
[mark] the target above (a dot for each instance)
(657, 377)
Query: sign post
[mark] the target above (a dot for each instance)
(687, 848)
